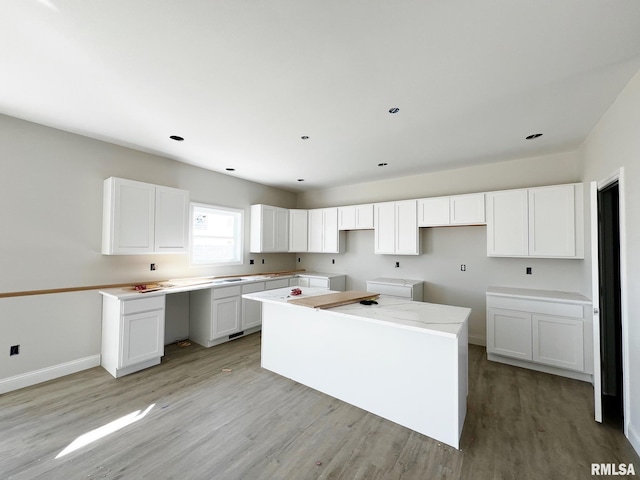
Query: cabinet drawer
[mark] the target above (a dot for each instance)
(142, 304)
(281, 283)
(253, 287)
(319, 282)
(225, 292)
(570, 310)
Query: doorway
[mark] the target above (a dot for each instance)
(611, 364)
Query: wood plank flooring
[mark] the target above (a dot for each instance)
(249, 423)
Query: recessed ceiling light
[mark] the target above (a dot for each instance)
(304, 137)
(534, 136)
(177, 138)
(301, 179)
(394, 110)
(383, 164)
(230, 169)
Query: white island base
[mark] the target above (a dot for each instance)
(404, 361)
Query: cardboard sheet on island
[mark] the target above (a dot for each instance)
(333, 299)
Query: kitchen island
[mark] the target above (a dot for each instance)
(405, 361)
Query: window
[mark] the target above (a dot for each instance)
(216, 235)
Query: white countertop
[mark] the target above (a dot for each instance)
(188, 285)
(547, 295)
(404, 313)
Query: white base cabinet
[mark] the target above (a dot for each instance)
(331, 281)
(132, 334)
(542, 330)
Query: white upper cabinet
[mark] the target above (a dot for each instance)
(467, 209)
(355, 217)
(269, 229)
(507, 223)
(171, 220)
(433, 212)
(452, 210)
(298, 230)
(396, 228)
(544, 222)
(141, 217)
(323, 233)
(552, 221)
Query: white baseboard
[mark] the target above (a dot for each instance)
(478, 340)
(48, 373)
(634, 437)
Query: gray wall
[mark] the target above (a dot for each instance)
(444, 249)
(51, 217)
(615, 143)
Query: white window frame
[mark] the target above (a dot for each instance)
(238, 237)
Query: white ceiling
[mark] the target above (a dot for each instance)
(243, 80)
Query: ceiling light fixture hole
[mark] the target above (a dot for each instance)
(230, 169)
(534, 136)
(394, 110)
(177, 138)
(304, 137)
(301, 179)
(383, 164)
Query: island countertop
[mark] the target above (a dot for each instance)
(404, 313)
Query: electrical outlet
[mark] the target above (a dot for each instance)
(263, 261)
(152, 267)
(333, 260)
(529, 270)
(251, 261)
(14, 350)
(463, 268)
(299, 260)
(397, 264)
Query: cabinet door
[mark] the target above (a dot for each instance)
(433, 212)
(319, 282)
(251, 309)
(407, 238)
(298, 231)
(509, 333)
(558, 341)
(364, 217)
(129, 211)
(385, 227)
(281, 230)
(552, 221)
(142, 337)
(467, 209)
(347, 217)
(315, 230)
(269, 229)
(507, 223)
(171, 220)
(226, 317)
(330, 232)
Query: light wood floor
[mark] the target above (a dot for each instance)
(251, 424)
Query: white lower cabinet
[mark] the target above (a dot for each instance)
(251, 309)
(558, 341)
(215, 314)
(509, 333)
(542, 330)
(132, 334)
(226, 317)
(331, 281)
